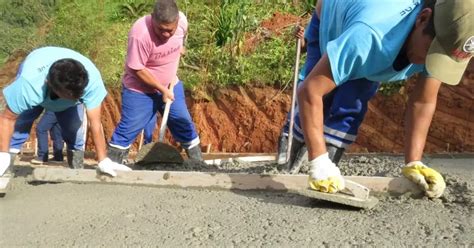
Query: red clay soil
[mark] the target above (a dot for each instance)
(274, 26)
(242, 119)
(278, 22)
(249, 120)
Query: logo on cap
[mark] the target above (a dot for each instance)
(469, 45)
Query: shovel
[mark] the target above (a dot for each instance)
(293, 100)
(159, 152)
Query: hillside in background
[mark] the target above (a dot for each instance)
(237, 82)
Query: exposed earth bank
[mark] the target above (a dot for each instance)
(249, 119)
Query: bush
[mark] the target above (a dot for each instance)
(217, 32)
(132, 10)
(87, 27)
(215, 46)
(19, 22)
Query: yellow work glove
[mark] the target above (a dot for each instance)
(428, 179)
(324, 176)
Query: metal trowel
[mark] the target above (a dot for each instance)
(354, 194)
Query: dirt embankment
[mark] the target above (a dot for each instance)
(248, 119)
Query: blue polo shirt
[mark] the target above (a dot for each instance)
(363, 38)
(29, 88)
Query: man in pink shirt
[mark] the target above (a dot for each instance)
(155, 44)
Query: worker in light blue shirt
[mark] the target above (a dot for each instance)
(62, 81)
(342, 120)
(405, 37)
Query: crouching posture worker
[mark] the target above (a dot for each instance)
(155, 44)
(62, 81)
(432, 38)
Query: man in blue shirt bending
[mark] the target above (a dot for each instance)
(385, 41)
(62, 81)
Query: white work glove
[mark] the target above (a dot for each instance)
(4, 162)
(324, 176)
(428, 179)
(108, 166)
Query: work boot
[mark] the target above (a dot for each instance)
(335, 153)
(298, 156)
(12, 158)
(282, 149)
(75, 159)
(117, 155)
(194, 153)
(9, 170)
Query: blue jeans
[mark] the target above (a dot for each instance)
(49, 123)
(70, 121)
(139, 110)
(149, 129)
(344, 108)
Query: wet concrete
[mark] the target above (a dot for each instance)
(53, 215)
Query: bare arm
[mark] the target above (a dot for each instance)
(418, 116)
(97, 132)
(150, 80)
(7, 125)
(310, 99)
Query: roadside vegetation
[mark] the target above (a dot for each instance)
(21, 23)
(226, 44)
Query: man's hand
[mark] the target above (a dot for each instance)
(298, 32)
(107, 166)
(4, 162)
(168, 95)
(324, 176)
(169, 92)
(428, 179)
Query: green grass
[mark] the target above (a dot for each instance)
(217, 31)
(88, 27)
(216, 37)
(20, 21)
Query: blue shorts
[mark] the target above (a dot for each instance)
(139, 109)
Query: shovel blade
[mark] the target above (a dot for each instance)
(158, 153)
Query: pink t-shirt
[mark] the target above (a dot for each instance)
(146, 51)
